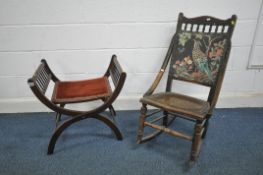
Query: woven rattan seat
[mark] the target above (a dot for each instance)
(179, 103)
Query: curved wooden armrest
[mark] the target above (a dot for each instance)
(42, 77)
(162, 70)
(53, 76)
(155, 83)
(118, 76)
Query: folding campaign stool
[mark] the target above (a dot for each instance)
(66, 92)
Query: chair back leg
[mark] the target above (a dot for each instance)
(112, 111)
(205, 128)
(165, 118)
(141, 123)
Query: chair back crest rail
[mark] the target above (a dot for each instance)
(206, 24)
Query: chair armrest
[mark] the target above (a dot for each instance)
(114, 70)
(41, 77)
(53, 76)
(117, 75)
(162, 70)
(155, 83)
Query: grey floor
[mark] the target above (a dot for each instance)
(233, 146)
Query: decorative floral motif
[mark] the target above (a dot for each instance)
(198, 57)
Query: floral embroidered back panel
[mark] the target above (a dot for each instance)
(197, 56)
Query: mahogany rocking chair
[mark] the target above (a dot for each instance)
(78, 91)
(198, 53)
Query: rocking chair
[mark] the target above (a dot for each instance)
(78, 91)
(199, 52)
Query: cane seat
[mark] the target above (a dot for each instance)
(178, 103)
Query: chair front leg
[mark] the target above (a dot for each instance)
(197, 139)
(58, 115)
(141, 123)
(112, 111)
(75, 119)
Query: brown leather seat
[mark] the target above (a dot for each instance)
(84, 90)
(179, 104)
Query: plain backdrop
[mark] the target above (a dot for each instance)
(78, 37)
